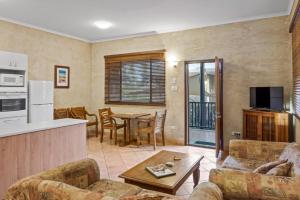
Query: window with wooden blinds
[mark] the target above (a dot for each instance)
(295, 29)
(135, 78)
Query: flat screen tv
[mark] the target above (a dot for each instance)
(270, 98)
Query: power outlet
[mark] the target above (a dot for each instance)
(236, 134)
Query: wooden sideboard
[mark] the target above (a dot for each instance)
(266, 125)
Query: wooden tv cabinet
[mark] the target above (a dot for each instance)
(266, 125)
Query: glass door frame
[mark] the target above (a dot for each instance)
(186, 99)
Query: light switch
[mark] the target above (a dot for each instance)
(174, 88)
(174, 80)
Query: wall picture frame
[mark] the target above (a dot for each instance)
(61, 76)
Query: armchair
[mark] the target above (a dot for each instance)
(82, 113)
(107, 122)
(237, 181)
(78, 180)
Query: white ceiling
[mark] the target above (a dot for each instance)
(134, 17)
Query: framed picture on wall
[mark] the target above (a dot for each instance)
(61, 76)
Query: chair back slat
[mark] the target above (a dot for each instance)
(105, 116)
(159, 122)
(61, 113)
(79, 112)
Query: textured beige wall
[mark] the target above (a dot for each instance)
(256, 53)
(46, 50)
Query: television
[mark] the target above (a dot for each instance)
(270, 98)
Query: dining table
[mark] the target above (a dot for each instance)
(128, 117)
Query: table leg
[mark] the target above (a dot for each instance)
(128, 131)
(196, 176)
(125, 132)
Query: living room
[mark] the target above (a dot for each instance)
(251, 39)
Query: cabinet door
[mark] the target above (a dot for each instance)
(13, 61)
(251, 121)
(268, 128)
(282, 127)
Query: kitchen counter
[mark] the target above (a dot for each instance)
(7, 130)
(28, 149)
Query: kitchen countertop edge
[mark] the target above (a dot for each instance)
(7, 130)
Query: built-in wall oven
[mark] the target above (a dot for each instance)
(13, 107)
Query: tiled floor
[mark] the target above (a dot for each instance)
(113, 160)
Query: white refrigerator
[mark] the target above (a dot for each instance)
(40, 101)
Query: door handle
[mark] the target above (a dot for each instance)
(10, 120)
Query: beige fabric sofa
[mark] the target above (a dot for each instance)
(237, 181)
(77, 181)
(81, 181)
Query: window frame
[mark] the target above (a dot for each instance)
(147, 56)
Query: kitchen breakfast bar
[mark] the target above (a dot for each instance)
(27, 149)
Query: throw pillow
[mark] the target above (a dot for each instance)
(263, 169)
(281, 170)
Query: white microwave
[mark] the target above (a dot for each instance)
(12, 80)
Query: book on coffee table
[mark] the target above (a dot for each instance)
(160, 171)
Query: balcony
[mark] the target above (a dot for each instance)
(202, 115)
(202, 123)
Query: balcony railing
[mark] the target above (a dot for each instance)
(202, 115)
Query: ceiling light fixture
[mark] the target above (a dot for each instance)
(103, 24)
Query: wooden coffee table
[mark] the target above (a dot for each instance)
(138, 175)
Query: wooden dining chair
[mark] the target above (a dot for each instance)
(152, 126)
(82, 113)
(108, 122)
(61, 113)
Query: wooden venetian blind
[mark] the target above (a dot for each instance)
(295, 29)
(135, 78)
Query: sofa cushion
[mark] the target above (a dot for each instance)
(263, 169)
(236, 184)
(241, 163)
(207, 191)
(114, 189)
(281, 170)
(79, 174)
(292, 154)
(149, 195)
(256, 150)
(37, 189)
